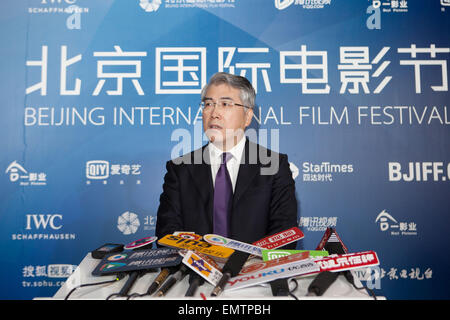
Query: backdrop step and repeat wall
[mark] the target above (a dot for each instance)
(96, 96)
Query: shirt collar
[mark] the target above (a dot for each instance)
(215, 153)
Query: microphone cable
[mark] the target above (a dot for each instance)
(128, 284)
(349, 276)
(117, 278)
(291, 292)
(280, 287)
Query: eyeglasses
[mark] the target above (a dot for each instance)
(223, 104)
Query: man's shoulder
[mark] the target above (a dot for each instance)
(261, 153)
(196, 156)
(253, 152)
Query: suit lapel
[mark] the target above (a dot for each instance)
(247, 171)
(201, 172)
(202, 180)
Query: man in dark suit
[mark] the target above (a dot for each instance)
(230, 186)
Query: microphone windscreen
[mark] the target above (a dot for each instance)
(280, 287)
(334, 248)
(235, 262)
(322, 282)
(195, 277)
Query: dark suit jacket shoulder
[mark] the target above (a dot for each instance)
(264, 200)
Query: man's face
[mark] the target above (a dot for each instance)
(225, 126)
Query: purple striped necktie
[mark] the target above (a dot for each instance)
(223, 193)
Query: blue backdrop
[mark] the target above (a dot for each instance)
(98, 95)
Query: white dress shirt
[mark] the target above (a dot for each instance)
(215, 156)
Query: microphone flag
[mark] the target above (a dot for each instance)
(144, 259)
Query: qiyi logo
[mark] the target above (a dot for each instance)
(97, 169)
(102, 170)
(128, 223)
(388, 223)
(18, 173)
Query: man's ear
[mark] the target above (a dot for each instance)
(248, 117)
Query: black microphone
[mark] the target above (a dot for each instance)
(129, 283)
(178, 276)
(135, 274)
(321, 283)
(334, 245)
(231, 269)
(195, 281)
(325, 279)
(106, 249)
(280, 287)
(162, 276)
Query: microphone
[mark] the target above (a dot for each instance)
(162, 276)
(136, 246)
(144, 243)
(178, 276)
(129, 283)
(334, 245)
(134, 260)
(321, 283)
(280, 239)
(332, 241)
(217, 252)
(281, 268)
(195, 281)
(231, 269)
(279, 287)
(107, 248)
